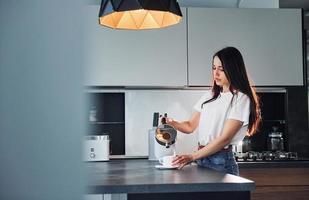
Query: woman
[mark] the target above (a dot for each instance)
(223, 115)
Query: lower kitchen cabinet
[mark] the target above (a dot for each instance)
(278, 183)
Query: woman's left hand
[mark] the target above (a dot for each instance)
(182, 160)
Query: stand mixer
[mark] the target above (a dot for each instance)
(164, 138)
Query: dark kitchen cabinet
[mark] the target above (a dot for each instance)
(273, 106)
(287, 110)
(105, 116)
(278, 183)
(273, 112)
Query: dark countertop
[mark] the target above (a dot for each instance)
(141, 176)
(299, 163)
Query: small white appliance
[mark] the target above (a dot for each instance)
(96, 148)
(162, 138)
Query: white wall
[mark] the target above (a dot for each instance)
(139, 109)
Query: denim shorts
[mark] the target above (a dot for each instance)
(223, 161)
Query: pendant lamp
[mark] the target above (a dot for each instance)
(139, 14)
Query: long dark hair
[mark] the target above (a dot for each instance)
(235, 71)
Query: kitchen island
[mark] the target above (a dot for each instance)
(139, 179)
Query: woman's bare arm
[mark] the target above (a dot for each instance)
(231, 127)
(186, 126)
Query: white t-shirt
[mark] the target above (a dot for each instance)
(215, 113)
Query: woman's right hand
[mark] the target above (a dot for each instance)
(182, 160)
(169, 120)
(166, 120)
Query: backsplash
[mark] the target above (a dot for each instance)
(139, 109)
(128, 116)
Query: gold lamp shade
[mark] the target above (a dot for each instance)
(139, 14)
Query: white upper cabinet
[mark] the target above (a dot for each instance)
(133, 58)
(270, 41)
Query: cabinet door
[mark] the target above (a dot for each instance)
(133, 58)
(270, 41)
(278, 183)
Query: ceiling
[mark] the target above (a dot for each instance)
(294, 4)
(304, 4)
(229, 3)
(209, 3)
(237, 3)
(246, 3)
